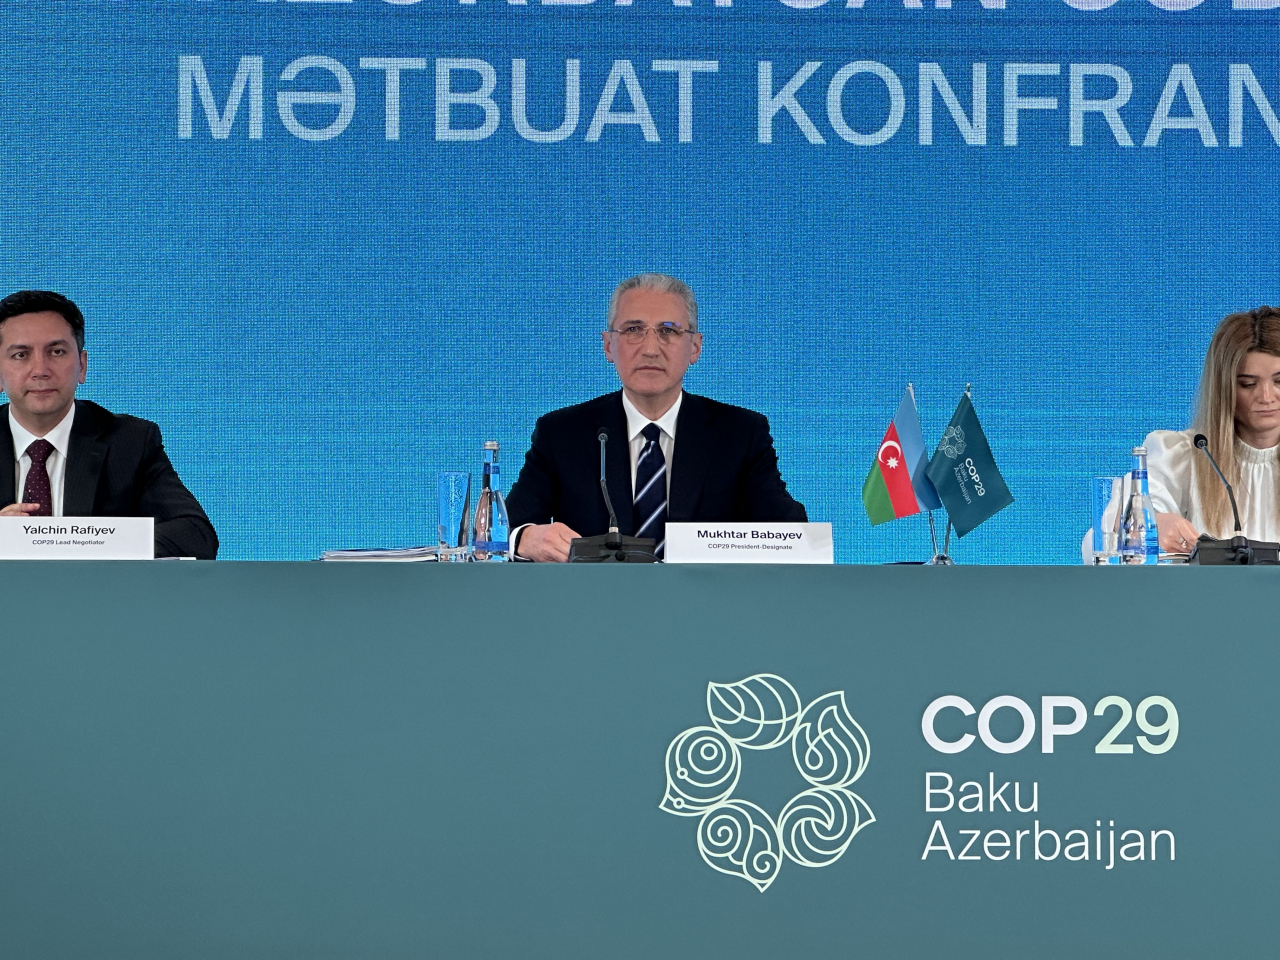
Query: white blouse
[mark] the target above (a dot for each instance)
(1171, 464)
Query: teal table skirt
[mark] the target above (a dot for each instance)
(386, 761)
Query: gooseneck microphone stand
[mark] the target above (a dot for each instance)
(611, 547)
(1239, 550)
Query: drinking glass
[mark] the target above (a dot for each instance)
(1109, 496)
(454, 516)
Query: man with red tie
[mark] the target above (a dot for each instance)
(71, 457)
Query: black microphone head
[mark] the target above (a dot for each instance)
(602, 433)
(1201, 441)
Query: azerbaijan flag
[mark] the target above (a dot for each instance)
(897, 485)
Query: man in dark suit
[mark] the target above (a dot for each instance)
(71, 457)
(671, 456)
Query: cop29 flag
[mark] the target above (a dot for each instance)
(965, 474)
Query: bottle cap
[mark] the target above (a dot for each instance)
(1139, 451)
(491, 444)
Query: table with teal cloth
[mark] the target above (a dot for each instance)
(323, 760)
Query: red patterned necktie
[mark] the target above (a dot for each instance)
(37, 489)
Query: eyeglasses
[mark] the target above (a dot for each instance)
(634, 332)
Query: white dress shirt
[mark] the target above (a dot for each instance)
(56, 465)
(1172, 460)
(636, 422)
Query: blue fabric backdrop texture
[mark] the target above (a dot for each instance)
(332, 247)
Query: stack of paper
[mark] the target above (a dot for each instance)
(400, 555)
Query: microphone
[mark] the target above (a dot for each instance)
(1239, 549)
(614, 539)
(1202, 442)
(611, 547)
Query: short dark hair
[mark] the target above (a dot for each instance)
(39, 301)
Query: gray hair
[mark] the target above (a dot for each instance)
(662, 284)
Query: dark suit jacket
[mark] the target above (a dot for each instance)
(723, 468)
(117, 467)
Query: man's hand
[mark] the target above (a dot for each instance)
(19, 509)
(1177, 535)
(546, 542)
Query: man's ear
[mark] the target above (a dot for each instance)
(608, 345)
(84, 364)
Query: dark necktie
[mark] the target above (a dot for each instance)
(37, 489)
(650, 505)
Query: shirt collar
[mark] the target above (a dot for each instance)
(637, 421)
(1248, 454)
(59, 436)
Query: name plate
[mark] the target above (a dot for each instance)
(749, 543)
(77, 538)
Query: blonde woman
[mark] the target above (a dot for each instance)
(1238, 410)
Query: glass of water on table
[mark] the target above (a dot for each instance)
(454, 516)
(1109, 495)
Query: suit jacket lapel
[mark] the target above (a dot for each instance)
(690, 459)
(8, 493)
(618, 460)
(85, 456)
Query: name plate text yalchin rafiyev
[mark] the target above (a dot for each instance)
(77, 538)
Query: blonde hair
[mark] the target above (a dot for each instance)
(1237, 335)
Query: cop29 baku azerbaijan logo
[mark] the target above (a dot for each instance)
(952, 443)
(763, 712)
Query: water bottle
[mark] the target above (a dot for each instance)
(490, 530)
(1141, 535)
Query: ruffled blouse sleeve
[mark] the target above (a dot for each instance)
(1169, 463)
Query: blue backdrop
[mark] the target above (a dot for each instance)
(321, 316)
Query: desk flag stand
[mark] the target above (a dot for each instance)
(940, 557)
(961, 475)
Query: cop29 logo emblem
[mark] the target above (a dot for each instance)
(953, 442)
(763, 712)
